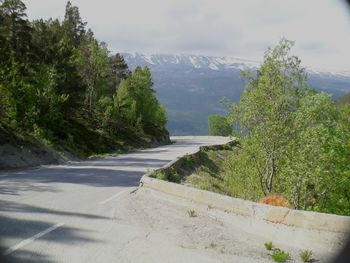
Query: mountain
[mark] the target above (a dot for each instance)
(191, 86)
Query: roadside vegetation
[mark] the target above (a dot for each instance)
(279, 255)
(293, 145)
(218, 126)
(63, 87)
(294, 141)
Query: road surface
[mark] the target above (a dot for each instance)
(92, 211)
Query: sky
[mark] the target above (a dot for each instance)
(238, 28)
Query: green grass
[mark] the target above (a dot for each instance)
(269, 246)
(209, 173)
(171, 176)
(279, 255)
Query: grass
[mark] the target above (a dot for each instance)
(279, 255)
(204, 171)
(171, 176)
(269, 246)
(306, 256)
(191, 213)
(189, 162)
(208, 173)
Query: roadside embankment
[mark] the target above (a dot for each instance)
(304, 229)
(19, 150)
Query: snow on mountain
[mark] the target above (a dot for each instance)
(191, 86)
(209, 63)
(194, 61)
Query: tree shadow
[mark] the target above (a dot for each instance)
(22, 229)
(6, 206)
(24, 256)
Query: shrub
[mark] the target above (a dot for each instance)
(218, 126)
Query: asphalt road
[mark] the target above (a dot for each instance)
(68, 213)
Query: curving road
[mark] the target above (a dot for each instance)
(69, 213)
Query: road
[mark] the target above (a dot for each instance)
(75, 202)
(92, 211)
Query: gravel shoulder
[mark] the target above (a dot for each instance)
(173, 236)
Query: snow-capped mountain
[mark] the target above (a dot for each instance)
(191, 86)
(192, 61)
(209, 63)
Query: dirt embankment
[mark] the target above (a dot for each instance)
(23, 151)
(18, 151)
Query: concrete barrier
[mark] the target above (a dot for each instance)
(301, 228)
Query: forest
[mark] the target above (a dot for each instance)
(61, 85)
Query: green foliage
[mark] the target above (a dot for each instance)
(55, 76)
(279, 255)
(294, 141)
(48, 103)
(138, 104)
(208, 172)
(306, 256)
(218, 126)
(269, 246)
(189, 161)
(171, 176)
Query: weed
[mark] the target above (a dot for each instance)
(159, 175)
(212, 244)
(191, 213)
(280, 256)
(189, 161)
(171, 175)
(306, 255)
(268, 245)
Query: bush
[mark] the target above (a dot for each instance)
(218, 126)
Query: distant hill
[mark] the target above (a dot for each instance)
(192, 86)
(345, 99)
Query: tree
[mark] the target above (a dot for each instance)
(58, 82)
(73, 25)
(15, 29)
(263, 112)
(95, 72)
(119, 70)
(291, 140)
(218, 126)
(138, 102)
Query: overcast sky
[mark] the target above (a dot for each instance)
(241, 28)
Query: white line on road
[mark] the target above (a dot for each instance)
(31, 239)
(112, 197)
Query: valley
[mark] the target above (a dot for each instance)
(191, 87)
